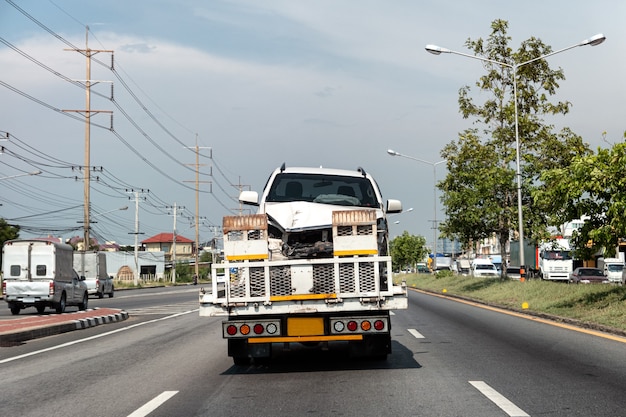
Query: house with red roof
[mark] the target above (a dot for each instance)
(166, 242)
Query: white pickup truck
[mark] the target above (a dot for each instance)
(39, 273)
(93, 266)
(311, 267)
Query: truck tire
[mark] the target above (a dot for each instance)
(112, 291)
(101, 293)
(15, 310)
(60, 307)
(83, 305)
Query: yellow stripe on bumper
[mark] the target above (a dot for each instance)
(356, 252)
(296, 297)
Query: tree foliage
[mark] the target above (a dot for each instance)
(407, 250)
(592, 187)
(7, 232)
(480, 190)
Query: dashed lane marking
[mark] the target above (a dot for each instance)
(416, 334)
(498, 399)
(153, 404)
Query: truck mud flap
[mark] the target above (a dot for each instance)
(240, 348)
(372, 346)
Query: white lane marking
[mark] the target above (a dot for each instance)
(153, 404)
(416, 334)
(498, 399)
(132, 326)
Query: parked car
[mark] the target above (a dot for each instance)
(484, 268)
(587, 275)
(513, 272)
(423, 269)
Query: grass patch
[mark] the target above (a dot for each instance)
(603, 304)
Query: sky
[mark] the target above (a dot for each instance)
(251, 84)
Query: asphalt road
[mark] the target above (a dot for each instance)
(449, 359)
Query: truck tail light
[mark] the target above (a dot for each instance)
(251, 329)
(51, 288)
(4, 287)
(359, 325)
(231, 330)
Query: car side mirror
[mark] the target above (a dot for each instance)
(82, 278)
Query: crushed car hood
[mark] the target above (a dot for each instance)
(302, 215)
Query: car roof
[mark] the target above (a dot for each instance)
(325, 171)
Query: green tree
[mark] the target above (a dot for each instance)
(407, 250)
(593, 187)
(480, 190)
(7, 232)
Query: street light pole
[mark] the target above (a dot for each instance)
(437, 50)
(21, 175)
(434, 165)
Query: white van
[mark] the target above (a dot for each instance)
(39, 273)
(484, 268)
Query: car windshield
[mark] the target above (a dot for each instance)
(557, 255)
(591, 272)
(326, 189)
(615, 267)
(485, 266)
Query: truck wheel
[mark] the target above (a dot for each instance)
(83, 305)
(40, 309)
(112, 291)
(101, 294)
(60, 308)
(15, 310)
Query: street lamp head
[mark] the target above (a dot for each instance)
(123, 208)
(392, 152)
(436, 50)
(594, 40)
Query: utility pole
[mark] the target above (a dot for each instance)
(197, 182)
(136, 193)
(87, 112)
(175, 207)
(240, 189)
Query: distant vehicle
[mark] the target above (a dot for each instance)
(587, 275)
(497, 261)
(39, 273)
(613, 268)
(555, 260)
(484, 268)
(93, 266)
(463, 267)
(422, 269)
(513, 272)
(442, 263)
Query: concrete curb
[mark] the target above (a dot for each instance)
(44, 330)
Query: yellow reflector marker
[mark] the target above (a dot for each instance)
(302, 297)
(354, 252)
(305, 326)
(246, 257)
